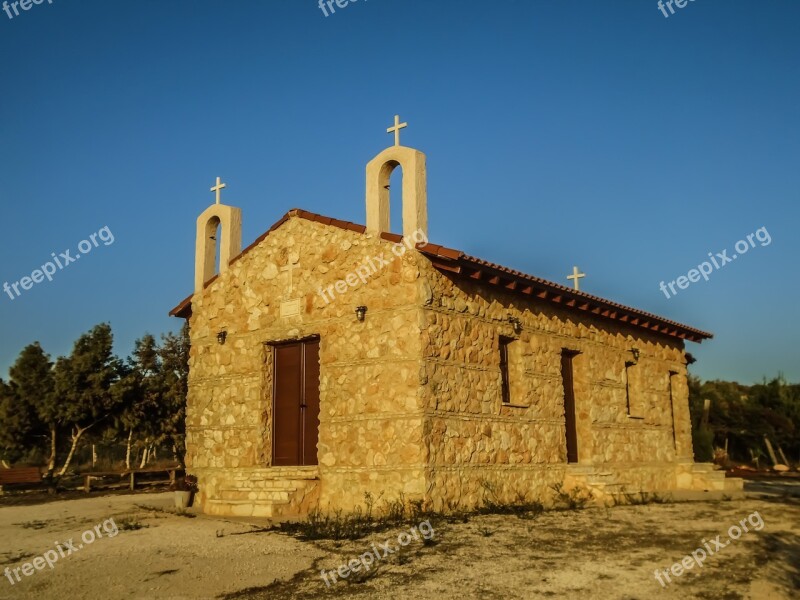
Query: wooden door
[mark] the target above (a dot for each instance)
(295, 408)
(569, 406)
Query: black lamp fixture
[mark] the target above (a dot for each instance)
(361, 313)
(221, 336)
(516, 324)
(635, 352)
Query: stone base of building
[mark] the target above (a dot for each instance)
(258, 492)
(281, 492)
(614, 481)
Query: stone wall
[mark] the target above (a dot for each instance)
(371, 419)
(476, 442)
(410, 398)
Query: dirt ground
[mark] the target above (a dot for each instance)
(594, 553)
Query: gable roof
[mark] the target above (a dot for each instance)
(460, 264)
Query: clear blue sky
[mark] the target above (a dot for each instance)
(558, 132)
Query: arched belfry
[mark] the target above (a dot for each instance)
(217, 219)
(415, 188)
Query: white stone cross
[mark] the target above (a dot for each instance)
(218, 188)
(396, 129)
(576, 275)
(290, 268)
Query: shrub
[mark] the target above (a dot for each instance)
(703, 443)
(575, 498)
(130, 524)
(522, 507)
(355, 525)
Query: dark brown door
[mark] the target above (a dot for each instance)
(569, 406)
(296, 403)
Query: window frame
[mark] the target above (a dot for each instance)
(505, 381)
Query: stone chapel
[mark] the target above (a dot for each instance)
(329, 359)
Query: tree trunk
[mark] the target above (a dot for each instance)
(128, 450)
(51, 462)
(145, 453)
(76, 437)
(771, 451)
(94, 455)
(180, 457)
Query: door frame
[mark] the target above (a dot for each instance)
(302, 416)
(568, 356)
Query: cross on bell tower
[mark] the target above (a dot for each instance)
(415, 188)
(218, 225)
(396, 129)
(218, 188)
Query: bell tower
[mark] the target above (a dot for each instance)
(217, 220)
(415, 188)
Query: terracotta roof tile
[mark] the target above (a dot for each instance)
(391, 237)
(356, 227)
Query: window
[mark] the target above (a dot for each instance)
(628, 365)
(672, 409)
(515, 384)
(628, 400)
(505, 342)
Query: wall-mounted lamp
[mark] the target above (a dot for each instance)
(221, 336)
(516, 324)
(690, 360)
(635, 352)
(361, 312)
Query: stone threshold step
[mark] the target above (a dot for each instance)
(265, 488)
(263, 474)
(271, 497)
(706, 468)
(260, 484)
(218, 502)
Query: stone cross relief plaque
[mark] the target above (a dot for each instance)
(290, 308)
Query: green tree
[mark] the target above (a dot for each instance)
(15, 425)
(83, 385)
(778, 406)
(743, 415)
(174, 354)
(139, 390)
(32, 378)
(152, 394)
(92, 395)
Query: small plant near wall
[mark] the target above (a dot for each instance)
(185, 489)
